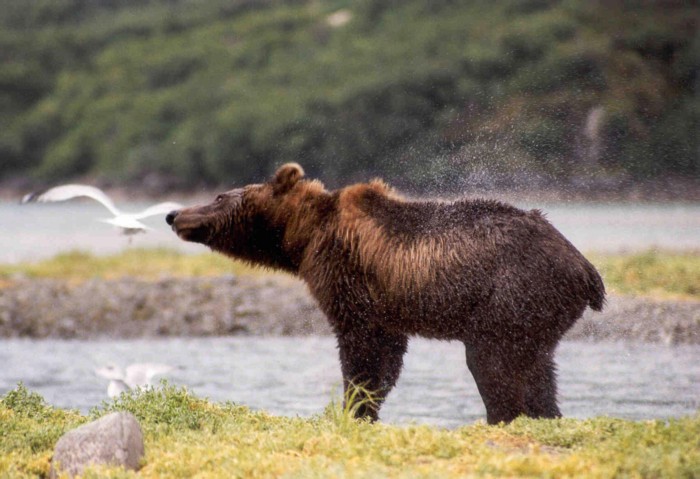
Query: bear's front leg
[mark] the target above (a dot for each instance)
(371, 361)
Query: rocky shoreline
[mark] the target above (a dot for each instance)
(269, 305)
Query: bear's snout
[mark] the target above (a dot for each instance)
(170, 217)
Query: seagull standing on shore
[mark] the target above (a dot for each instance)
(138, 375)
(128, 222)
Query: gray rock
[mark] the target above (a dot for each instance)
(626, 318)
(115, 439)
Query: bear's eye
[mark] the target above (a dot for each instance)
(219, 199)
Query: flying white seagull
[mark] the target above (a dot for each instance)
(138, 375)
(128, 222)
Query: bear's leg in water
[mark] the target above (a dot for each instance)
(500, 380)
(371, 359)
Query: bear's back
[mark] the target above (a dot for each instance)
(408, 245)
(418, 219)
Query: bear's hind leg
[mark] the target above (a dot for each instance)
(371, 361)
(500, 381)
(541, 388)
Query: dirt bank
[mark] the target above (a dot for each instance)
(275, 305)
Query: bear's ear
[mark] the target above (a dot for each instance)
(286, 177)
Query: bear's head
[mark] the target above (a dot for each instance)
(267, 224)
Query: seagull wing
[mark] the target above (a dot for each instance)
(159, 209)
(141, 374)
(126, 222)
(67, 192)
(111, 371)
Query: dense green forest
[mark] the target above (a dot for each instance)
(422, 92)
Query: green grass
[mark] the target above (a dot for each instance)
(659, 274)
(187, 436)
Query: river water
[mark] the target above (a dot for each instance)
(300, 376)
(36, 231)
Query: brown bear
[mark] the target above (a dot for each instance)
(501, 280)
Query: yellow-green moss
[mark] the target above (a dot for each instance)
(136, 262)
(187, 436)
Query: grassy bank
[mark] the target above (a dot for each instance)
(658, 274)
(187, 436)
(154, 263)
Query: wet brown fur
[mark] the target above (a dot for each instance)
(502, 280)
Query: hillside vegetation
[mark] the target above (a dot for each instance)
(423, 92)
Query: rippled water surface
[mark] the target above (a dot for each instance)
(38, 230)
(299, 376)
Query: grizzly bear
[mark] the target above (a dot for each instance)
(501, 280)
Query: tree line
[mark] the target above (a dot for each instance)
(431, 93)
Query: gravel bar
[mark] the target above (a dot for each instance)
(269, 305)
